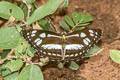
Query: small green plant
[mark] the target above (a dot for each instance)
(16, 63)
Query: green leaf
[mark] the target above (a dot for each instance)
(83, 24)
(64, 25)
(69, 21)
(78, 28)
(44, 10)
(9, 38)
(115, 55)
(31, 72)
(73, 65)
(30, 51)
(76, 17)
(8, 9)
(12, 76)
(43, 23)
(4, 54)
(81, 17)
(87, 18)
(60, 65)
(65, 4)
(94, 51)
(7, 74)
(24, 8)
(14, 65)
(19, 49)
(33, 8)
(4, 71)
(30, 1)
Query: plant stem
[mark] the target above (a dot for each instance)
(3, 60)
(29, 10)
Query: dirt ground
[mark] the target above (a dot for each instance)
(106, 17)
(100, 67)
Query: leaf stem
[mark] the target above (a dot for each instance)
(74, 27)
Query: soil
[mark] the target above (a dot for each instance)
(100, 67)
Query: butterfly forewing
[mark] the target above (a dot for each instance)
(72, 47)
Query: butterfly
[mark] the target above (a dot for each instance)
(62, 47)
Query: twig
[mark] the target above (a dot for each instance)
(14, 57)
(9, 55)
(29, 10)
(3, 60)
(20, 57)
(10, 22)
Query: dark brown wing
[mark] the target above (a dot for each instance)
(47, 43)
(79, 42)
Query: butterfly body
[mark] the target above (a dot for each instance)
(65, 47)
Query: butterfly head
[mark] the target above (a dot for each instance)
(64, 33)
